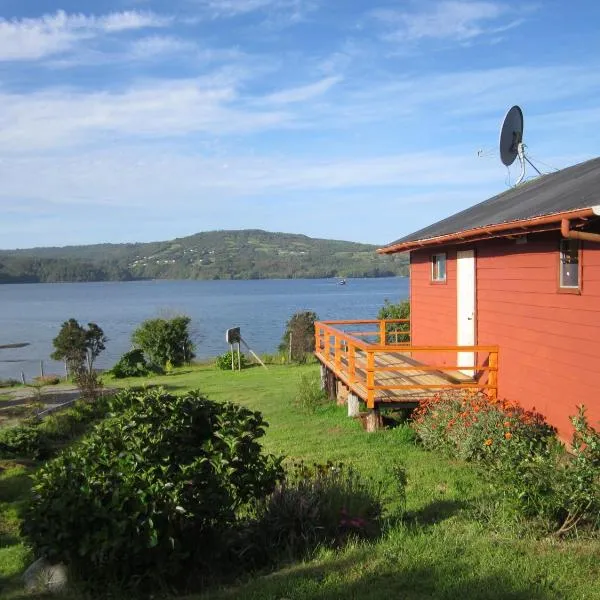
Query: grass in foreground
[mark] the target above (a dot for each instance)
(440, 551)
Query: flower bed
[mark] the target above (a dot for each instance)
(471, 426)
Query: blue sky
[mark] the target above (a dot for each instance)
(139, 120)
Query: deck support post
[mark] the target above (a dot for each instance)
(353, 405)
(323, 377)
(373, 421)
(330, 384)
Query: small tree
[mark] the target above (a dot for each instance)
(94, 344)
(70, 345)
(165, 341)
(301, 329)
(396, 311)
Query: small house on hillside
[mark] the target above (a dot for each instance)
(520, 271)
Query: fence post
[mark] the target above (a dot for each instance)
(370, 379)
(382, 336)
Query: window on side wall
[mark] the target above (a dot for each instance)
(438, 267)
(569, 264)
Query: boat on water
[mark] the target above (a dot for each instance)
(342, 282)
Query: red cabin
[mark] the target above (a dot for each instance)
(520, 271)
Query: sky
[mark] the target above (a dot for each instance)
(362, 120)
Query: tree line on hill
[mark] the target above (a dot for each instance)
(245, 254)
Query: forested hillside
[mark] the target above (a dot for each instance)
(244, 254)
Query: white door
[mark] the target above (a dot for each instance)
(465, 303)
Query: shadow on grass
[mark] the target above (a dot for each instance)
(14, 487)
(435, 512)
(343, 580)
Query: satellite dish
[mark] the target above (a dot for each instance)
(511, 135)
(511, 141)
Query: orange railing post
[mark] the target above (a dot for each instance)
(370, 379)
(382, 336)
(317, 338)
(352, 364)
(337, 352)
(493, 374)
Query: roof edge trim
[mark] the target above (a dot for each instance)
(467, 234)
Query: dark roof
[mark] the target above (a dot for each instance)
(569, 189)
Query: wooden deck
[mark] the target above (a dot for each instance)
(383, 373)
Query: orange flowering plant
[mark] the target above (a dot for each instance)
(469, 425)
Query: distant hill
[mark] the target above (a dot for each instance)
(243, 254)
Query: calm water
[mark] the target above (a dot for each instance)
(34, 312)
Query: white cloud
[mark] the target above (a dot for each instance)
(280, 11)
(452, 20)
(31, 39)
(172, 108)
(160, 45)
(302, 93)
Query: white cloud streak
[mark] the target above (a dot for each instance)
(302, 93)
(450, 20)
(32, 39)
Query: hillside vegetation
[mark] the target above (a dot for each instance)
(244, 254)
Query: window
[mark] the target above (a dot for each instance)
(438, 267)
(569, 264)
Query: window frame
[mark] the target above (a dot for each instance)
(567, 289)
(432, 260)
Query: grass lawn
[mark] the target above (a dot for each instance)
(440, 550)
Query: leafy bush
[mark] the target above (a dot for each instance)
(165, 340)
(37, 440)
(131, 364)
(24, 441)
(395, 311)
(47, 379)
(223, 361)
(301, 329)
(309, 395)
(470, 426)
(144, 500)
(319, 505)
(559, 490)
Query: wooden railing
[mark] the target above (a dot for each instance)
(368, 367)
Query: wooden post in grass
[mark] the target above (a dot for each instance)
(373, 421)
(353, 405)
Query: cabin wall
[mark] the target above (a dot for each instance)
(549, 340)
(433, 306)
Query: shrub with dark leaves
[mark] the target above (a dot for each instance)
(143, 501)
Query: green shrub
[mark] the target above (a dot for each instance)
(470, 426)
(299, 336)
(37, 440)
(316, 506)
(143, 501)
(309, 395)
(396, 311)
(131, 364)
(560, 490)
(165, 340)
(24, 441)
(223, 361)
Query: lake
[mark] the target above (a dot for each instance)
(34, 312)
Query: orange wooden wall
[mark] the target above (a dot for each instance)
(549, 341)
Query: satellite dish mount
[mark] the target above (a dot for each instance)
(511, 141)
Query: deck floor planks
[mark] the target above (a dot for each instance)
(392, 359)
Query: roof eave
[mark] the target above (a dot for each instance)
(491, 231)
